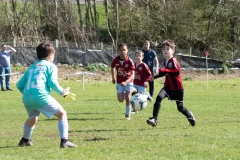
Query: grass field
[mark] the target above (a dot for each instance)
(98, 126)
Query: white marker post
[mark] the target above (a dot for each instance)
(81, 73)
(206, 55)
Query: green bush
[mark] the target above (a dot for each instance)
(96, 67)
(214, 72)
(188, 79)
(225, 68)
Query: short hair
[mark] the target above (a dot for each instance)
(139, 51)
(44, 49)
(170, 43)
(147, 41)
(121, 45)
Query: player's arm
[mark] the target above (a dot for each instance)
(156, 64)
(173, 71)
(53, 80)
(113, 75)
(132, 72)
(131, 78)
(147, 73)
(160, 74)
(21, 83)
(55, 86)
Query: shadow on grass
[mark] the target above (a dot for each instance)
(99, 100)
(75, 119)
(97, 139)
(86, 113)
(99, 130)
(11, 147)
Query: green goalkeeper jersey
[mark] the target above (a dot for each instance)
(36, 84)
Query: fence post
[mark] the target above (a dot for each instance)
(101, 45)
(57, 43)
(14, 42)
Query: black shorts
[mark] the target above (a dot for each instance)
(175, 95)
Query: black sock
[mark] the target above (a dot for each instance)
(64, 140)
(25, 140)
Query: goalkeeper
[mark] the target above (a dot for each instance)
(35, 85)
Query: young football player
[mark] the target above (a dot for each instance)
(173, 87)
(35, 85)
(142, 75)
(124, 67)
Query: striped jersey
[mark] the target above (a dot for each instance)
(173, 74)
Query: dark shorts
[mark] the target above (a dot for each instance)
(176, 95)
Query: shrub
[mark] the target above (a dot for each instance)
(96, 67)
(225, 68)
(215, 72)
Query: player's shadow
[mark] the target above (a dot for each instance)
(99, 100)
(87, 113)
(10, 147)
(75, 119)
(97, 139)
(85, 119)
(98, 130)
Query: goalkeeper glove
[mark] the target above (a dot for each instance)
(68, 97)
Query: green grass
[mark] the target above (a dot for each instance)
(98, 127)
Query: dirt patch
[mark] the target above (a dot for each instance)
(101, 76)
(212, 75)
(186, 74)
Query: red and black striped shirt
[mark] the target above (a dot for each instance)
(173, 74)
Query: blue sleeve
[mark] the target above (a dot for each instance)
(52, 80)
(21, 83)
(154, 54)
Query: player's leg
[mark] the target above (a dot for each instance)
(138, 90)
(128, 93)
(128, 105)
(156, 107)
(151, 88)
(56, 109)
(62, 123)
(63, 127)
(120, 93)
(185, 112)
(2, 72)
(28, 128)
(135, 89)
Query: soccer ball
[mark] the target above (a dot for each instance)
(139, 101)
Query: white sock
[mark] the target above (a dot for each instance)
(63, 129)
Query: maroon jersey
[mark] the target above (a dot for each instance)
(142, 74)
(173, 74)
(123, 68)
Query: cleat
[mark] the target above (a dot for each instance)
(152, 121)
(149, 97)
(68, 144)
(134, 112)
(25, 142)
(127, 117)
(192, 120)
